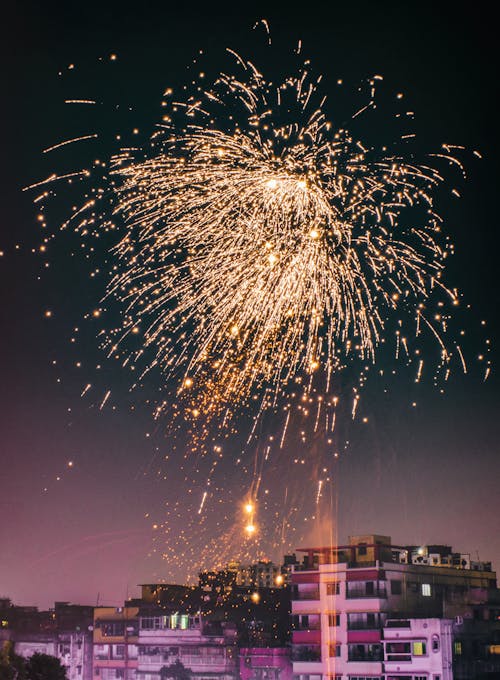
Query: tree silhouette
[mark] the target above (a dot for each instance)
(44, 667)
(176, 670)
(12, 666)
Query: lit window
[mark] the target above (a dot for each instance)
(418, 649)
(334, 650)
(457, 648)
(333, 588)
(333, 620)
(426, 589)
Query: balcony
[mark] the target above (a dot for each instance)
(306, 653)
(397, 623)
(307, 594)
(368, 653)
(363, 592)
(311, 637)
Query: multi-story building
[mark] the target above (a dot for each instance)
(115, 642)
(207, 649)
(345, 597)
(63, 632)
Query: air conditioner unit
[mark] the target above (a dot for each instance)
(459, 620)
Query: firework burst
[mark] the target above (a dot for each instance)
(262, 245)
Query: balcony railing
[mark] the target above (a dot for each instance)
(198, 660)
(398, 623)
(355, 655)
(355, 593)
(398, 657)
(307, 594)
(364, 625)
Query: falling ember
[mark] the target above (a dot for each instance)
(106, 397)
(202, 502)
(318, 495)
(86, 389)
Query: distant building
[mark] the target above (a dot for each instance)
(260, 574)
(63, 632)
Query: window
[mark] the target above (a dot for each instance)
(333, 620)
(363, 621)
(396, 588)
(457, 648)
(334, 650)
(362, 549)
(365, 652)
(426, 589)
(419, 648)
(113, 629)
(435, 643)
(398, 651)
(333, 588)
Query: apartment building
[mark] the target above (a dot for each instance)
(115, 643)
(345, 602)
(206, 648)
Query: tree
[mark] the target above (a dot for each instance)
(12, 666)
(44, 667)
(176, 670)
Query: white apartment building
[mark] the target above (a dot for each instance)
(207, 649)
(73, 649)
(420, 649)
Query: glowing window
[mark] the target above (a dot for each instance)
(426, 589)
(418, 649)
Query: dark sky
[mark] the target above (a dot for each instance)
(426, 475)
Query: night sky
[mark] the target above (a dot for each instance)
(83, 487)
